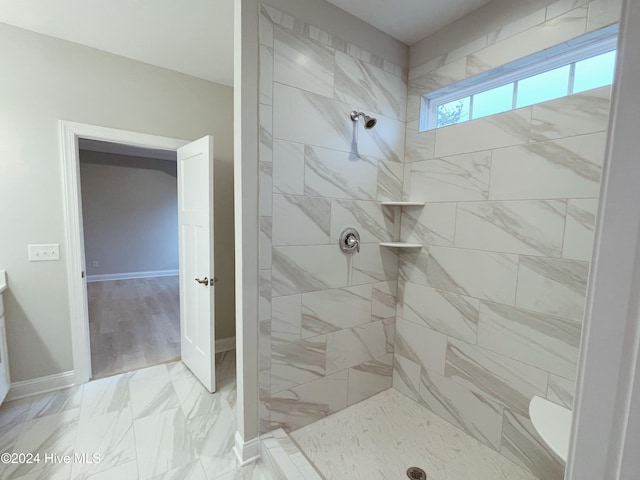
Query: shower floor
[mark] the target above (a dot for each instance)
(381, 437)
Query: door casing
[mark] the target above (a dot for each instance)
(70, 132)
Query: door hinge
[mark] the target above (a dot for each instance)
(82, 274)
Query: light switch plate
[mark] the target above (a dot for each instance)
(44, 252)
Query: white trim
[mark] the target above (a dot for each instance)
(567, 53)
(70, 132)
(128, 150)
(107, 277)
(225, 344)
(246, 452)
(601, 443)
(37, 386)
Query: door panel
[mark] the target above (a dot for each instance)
(197, 299)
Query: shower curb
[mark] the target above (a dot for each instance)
(285, 459)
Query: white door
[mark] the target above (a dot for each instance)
(195, 218)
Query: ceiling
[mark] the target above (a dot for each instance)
(409, 20)
(198, 40)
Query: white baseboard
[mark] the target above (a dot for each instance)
(246, 452)
(59, 381)
(225, 344)
(131, 275)
(40, 385)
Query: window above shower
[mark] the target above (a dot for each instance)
(581, 64)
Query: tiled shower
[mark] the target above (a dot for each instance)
(488, 312)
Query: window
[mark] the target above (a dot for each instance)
(582, 64)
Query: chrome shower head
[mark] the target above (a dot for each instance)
(369, 122)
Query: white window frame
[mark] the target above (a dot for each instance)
(568, 53)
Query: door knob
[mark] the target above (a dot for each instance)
(204, 281)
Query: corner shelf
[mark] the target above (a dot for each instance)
(402, 204)
(400, 245)
(396, 224)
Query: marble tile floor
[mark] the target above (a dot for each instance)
(156, 423)
(381, 437)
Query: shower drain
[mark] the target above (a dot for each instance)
(415, 473)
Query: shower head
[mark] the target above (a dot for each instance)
(369, 122)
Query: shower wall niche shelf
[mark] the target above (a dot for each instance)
(396, 224)
(400, 245)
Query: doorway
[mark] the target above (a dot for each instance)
(194, 167)
(130, 228)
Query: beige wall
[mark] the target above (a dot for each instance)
(47, 80)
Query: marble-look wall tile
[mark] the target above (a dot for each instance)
(478, 416)
(288, 167)
(563, 6)
(421, 345)
(524, 227)
(445, 312)
(517, 26)
(579, 114)
(383, 304)
(265, 179)
(303, 63)
(336, 174)
(374, 264)
(265, 27)
(406, 376)
(579, 230)
(286, 317)
(390, 177)
(264, 303)
(370, 88)
(455, 178)
(554, 287)
(299, 269)
(304, 404)
(603, 13)
(418, 145)
(522, 444)
(532, 40)
(466, 49)
(297, 363)
(266, 75)
(336, 309)
(412, 266)
(326, 123)
(265, 153)
(495, 131)
(264, 243)
(353, 346)
(373, 222)
(264, 357)
(484, 275)
(561, 391)
(369, 378)
(300, 220)
(435, 79)
(433, 224)
(547, 342)
(508, 382)
(564, 168)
